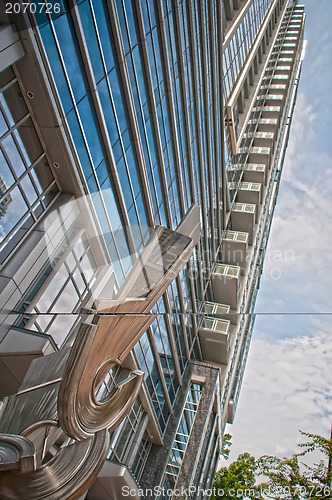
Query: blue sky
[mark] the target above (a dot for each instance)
(288, 381)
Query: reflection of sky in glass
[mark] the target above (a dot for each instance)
(69, 55)
(90, 130)
(61, 327)
(112, 208)
(79, 280)
(13, 155)
(29, 190)
(37, 183)
(57, 70)
(44, 320)
(91, 40)
(67, 300)
(52, 290)
(15, 211)
(8, 113)
(86, 268)
(5, 172)
(109, 115)
(98, 8)
(117, 97)
(24, 152)
(3, 124)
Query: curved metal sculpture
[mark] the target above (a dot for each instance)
(55, 430)
(67, 475)
(17, 452)
(95, 352)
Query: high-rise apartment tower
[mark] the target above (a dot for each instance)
(141, 148)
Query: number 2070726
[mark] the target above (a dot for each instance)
(33, 8)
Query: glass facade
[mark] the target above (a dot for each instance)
(28, 186)
(148, 94)
(181, 439)
(238, 48)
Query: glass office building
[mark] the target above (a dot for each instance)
(119, 118)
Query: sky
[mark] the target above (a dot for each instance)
(287, 385)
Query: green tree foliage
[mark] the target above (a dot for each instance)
(238, 480)
(276, 478)
(290, 479)
(226, 445)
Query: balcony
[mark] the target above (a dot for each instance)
(287, 45)
(234, 248)
(221, 311)
(275, 89)
(262, 139)
(265, 124)
(243, 219)
(253, 172)
(226, 284)
(279, 70)
(269, 112)
(276, 79)
(282, 59)
(214, 339)
(249, 192)
(271, 100)
(260, 155)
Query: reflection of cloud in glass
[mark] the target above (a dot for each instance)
(29, 190)
(5, 172)
(69, 54)
(61, 326)
(90, 130)
(3, 125)
(63, 225)
(15, 211)
(13, 155)
(8, 113)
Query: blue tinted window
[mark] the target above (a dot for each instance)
(107, 107)
(79, 143)
(90, 130)
(71, 55)
(100, 10)
(118, 101)
(3, 124)
(91, 40)
(56, 66)
(14, 156)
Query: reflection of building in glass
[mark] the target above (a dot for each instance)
(118, 118)
(5, 198)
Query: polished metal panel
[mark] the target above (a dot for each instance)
(67, 475)
(17, 452)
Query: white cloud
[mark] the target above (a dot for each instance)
(287, 387)
(298, 262)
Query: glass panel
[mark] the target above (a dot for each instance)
(3, 124)
(70, 54)
(13, 155)
(28, 141)
(16, 107)
(12, 209)
(57, 69)
(5, 174)
(29, 190)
